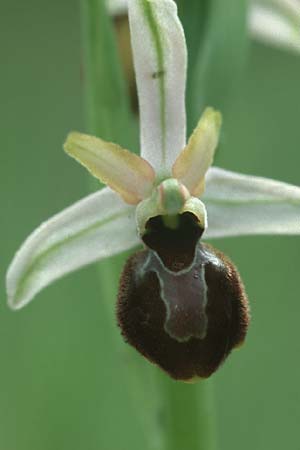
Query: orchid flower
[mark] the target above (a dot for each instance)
(181, 303)
(275, 22)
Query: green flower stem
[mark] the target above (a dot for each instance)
(173, 415)
(190, 416)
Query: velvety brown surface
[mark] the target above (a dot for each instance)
(141, 315)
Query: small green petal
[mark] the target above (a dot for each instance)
(126, 173)
(195, 159)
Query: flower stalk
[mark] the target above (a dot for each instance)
(197, 429)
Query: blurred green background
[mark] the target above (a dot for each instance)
(61, 381)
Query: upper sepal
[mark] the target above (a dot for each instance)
(160, 60)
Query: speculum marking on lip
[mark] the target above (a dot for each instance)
(185, 296)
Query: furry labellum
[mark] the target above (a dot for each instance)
(182, 303)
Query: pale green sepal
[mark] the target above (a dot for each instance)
(276, 22)
(244, 205)
(160, 60)
(94, 228)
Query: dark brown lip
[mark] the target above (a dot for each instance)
(142, 315)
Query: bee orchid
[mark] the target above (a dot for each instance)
(181, 302)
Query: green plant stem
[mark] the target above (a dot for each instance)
(174, 415)
(190, 416)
